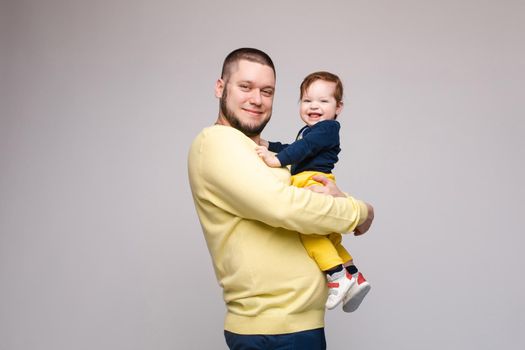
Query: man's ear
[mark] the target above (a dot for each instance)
(219, 88)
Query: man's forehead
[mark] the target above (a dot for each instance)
(254, 72)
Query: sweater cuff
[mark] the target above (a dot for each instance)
(363, 211)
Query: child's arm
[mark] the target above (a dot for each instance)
(269, 158)
(276, 147)
(323, 135)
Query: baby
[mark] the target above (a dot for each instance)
(315, 152)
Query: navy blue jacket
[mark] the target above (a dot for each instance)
(315, 149)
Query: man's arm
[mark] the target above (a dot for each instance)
(226, 171)
(329, 188)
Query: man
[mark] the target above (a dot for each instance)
(251, 217)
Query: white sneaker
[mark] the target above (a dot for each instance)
(356, 294)
(339, 284)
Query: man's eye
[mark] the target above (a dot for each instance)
(244, 87)
(267, 93)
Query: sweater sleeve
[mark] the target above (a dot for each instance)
(226, 171)
(323, 135)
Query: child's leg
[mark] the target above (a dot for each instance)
(361, 287)
(348, 260)
(336, 239)
(321, 249)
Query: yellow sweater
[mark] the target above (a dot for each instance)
(251, 218)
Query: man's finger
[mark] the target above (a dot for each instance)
(322, 179)
(316, 188)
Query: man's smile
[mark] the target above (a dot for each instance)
(253, 112)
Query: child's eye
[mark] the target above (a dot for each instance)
(324, 101)
(306, 100)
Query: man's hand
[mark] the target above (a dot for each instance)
(329, 187)
(359, 230)
(269, 158)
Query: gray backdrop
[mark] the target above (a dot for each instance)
(100, 247)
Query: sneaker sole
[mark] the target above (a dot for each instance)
(356, 300)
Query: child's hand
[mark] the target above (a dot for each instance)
(264, 143)
(269, 158)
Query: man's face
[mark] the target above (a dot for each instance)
(246, 97)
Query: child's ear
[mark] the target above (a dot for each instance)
(339, 108)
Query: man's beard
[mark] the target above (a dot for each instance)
(235, 122)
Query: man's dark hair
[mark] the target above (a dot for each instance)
(244, 53)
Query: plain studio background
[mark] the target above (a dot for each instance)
(100, 246)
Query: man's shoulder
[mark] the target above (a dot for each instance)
(218, 130)
(218, 140)
(220, 133)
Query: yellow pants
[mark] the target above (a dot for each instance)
(327, 251)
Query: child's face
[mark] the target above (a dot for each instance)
(318, 103)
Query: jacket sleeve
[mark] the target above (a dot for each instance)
(228, 173)
(323, 135)
(276, 147)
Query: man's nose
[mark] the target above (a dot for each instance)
(255, 97)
